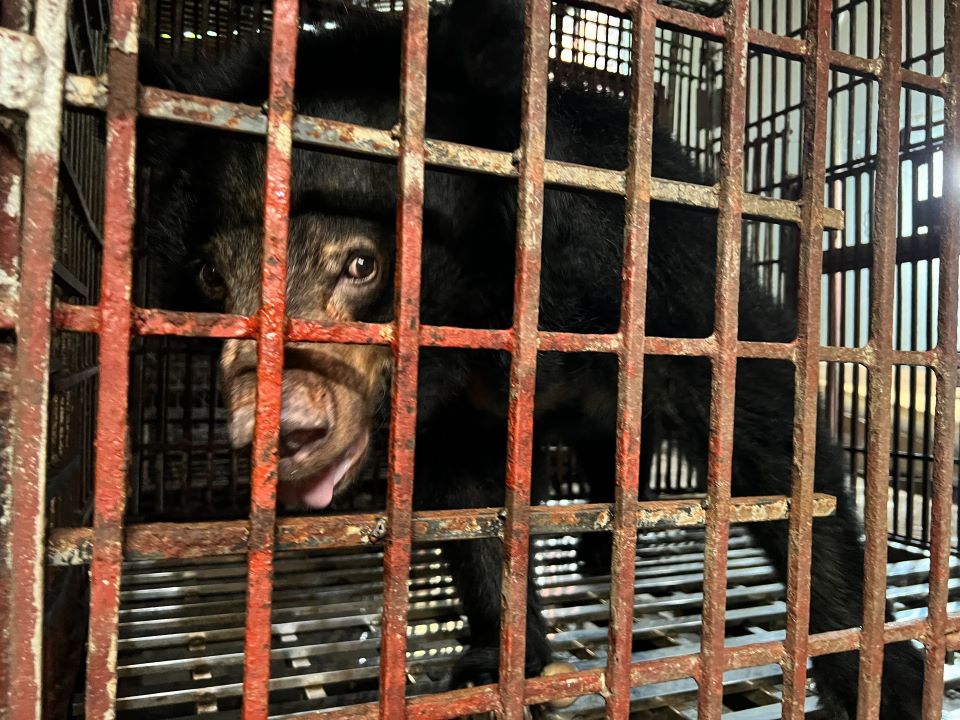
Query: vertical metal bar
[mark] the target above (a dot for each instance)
(885, 231)
(807, 378)
(523, 366)
(11, 170)
(631, 361)
(110, 492)
(403, 409)
(946, 349)
(723, 383)
(31, 371)
(270, 343)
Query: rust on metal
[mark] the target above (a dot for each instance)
(884, 231)
(403, 402)
(523, 362)
(807, 362)
(353, 332)
(724, 371)
(941, 521)
(27, 499)
(158, 541)
(179, 107)
(76, 318)
(270, 351)
(110, 463)
(213, 325)
(631, 365)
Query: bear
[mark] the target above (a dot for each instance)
(203, 233)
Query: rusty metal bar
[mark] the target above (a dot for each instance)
(537, 690)
(631, 361)
(523, 365)
(156, 541)
(946, 350)
(403, 407)
(31, 369)
(178, 107)
(807, 375)
(723, 384)
(884, 239)
(150, 321)
(110, 467)
(270, 344)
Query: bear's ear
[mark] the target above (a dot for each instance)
(486, 37)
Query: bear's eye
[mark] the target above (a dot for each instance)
(361, 268)
(211, 281)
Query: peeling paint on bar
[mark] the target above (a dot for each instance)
(115, 309)
(406, 347)
(157, 541)
(178, 107)
(523, 362)
(27, 503)
(270, 351)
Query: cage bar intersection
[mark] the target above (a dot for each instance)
(34, 316)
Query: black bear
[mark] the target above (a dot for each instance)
(205, 214)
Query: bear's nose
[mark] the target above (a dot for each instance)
(306, 418)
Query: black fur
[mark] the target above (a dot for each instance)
(469, 240)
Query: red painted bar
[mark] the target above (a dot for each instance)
(807, 375)
(523, 366)
(31, 368)
(270, 343)
(884, 238)
(193, 324)
(403, 409)
(631, 361)
(941, 518)
(115, 312)
(722, 394)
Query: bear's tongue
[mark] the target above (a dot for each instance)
(317, 491)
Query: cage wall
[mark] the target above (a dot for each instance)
(183, 468)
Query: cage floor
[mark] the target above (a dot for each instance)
(181, 627)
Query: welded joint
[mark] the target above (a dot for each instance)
(22, 65)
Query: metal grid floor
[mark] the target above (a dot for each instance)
(181, 627)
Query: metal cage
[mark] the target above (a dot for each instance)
(862, 238)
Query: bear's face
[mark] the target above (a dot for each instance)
(339, 270)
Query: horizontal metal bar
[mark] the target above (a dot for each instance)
(154, 541)
(182, 108)
(149, 321)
